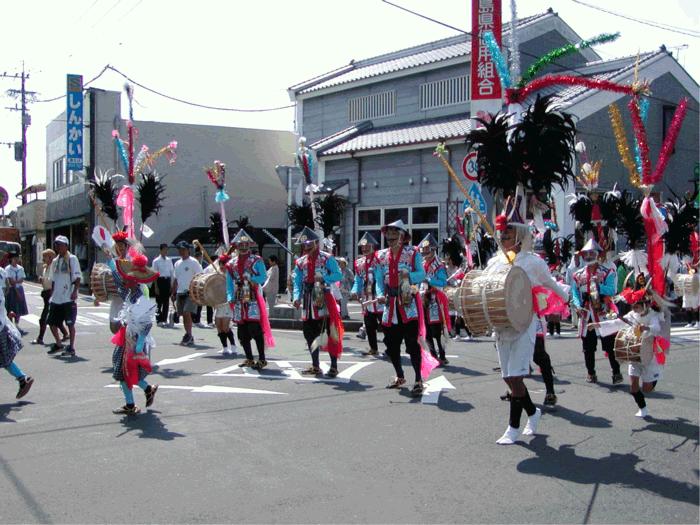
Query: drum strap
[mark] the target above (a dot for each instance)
(104, 283)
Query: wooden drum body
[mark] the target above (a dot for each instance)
(495, 301)
(208, 289)
(628, 346)
(690, 283)
(102, 282)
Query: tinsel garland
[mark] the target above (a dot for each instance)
(641, 136)
(670, 141)
(622, 145)
(517, 96)
(498, 60)
(514, 42)
(644, 112)
(149, 160)
(217, 174)
(550, 57)
(121, 150)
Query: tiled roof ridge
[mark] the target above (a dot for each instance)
(643, 57)
(436, 44)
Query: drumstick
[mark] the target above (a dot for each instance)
(367, 303)
(204, 252)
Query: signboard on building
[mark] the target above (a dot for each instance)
(74, 123)
(4, 197)
(486, 16)
(469, 167)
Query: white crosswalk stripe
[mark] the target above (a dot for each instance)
(683, 335)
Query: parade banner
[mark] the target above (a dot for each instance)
(74, 122)
(486, 16)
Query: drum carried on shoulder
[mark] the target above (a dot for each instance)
(208, 289)
(102, 282)
(495, 301)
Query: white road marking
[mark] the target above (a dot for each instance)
(103, 315)
(431, 395)
(182, 359)
(31, 318)
(214, 389)
(289, 370)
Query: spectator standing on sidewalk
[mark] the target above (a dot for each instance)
(345, 286)
(66, 275)
(272, 284)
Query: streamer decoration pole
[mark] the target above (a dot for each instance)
(438, 153)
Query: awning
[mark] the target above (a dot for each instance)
(34, 188)
(49, 225)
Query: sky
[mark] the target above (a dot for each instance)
(244, 55)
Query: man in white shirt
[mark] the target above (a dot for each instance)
(164, 266)
(272, 284)
(66, 275)
(185, 269)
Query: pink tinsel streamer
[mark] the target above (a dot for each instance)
(264, 320)
(670, 141)
(641, 136)
(516, 96)
(126, 199)
(427, 361)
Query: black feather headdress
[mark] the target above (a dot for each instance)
(454, 248)
(485, 248)
(682, 220)
(151, 194)
(301, 216)
(536, 153)
(243, 223)
(106, 192)
(629, 221)
(330, 211)
(581, 209)
(215, 232)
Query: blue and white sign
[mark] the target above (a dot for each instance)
(74, 123)
(475, 193)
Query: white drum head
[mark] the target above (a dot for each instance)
(518, 293)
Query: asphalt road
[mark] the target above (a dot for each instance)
(225, 445)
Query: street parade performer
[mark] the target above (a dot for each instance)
(314, 272)
(398, 273)
(244, 280)
(437, 317)
(592, 289)
(11, 341)
(131, 357)
(644, 328)
(527, 149)
(364, 289)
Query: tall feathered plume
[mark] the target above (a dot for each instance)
(580, 210)
(629, 221)
(300, 215)
(151, 194)
(453, 247)
(215, 232)
(330, 212)
(682, 220)
(105, 192)
(243, 223)
(542, 145)
(536, 153)
(567, 248)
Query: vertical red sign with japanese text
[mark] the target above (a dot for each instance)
(486, 16)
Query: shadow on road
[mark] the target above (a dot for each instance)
(680, 427)
(74, 359)
(150, 426)
(580, 419)
(616, 469)
(11, 407)
(450, 405)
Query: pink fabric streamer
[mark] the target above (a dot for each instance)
(655, 227)
(264, 320)
(131, 364)
(670, 141)
(427, 361)
(335, 339)
(120, 337)
(126, 200)
(641, 136)
(661, 344)
(546, 302)
(444, 308)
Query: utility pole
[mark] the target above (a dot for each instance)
(21, 147)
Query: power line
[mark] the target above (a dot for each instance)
(129, 11)
(665, 27)
(108, 12)
(84, 85)
(81, 16)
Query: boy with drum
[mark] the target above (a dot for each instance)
(364, 289)
(398, 272)
(645, 320)
(516, 349)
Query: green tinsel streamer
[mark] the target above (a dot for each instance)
(547, 59)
